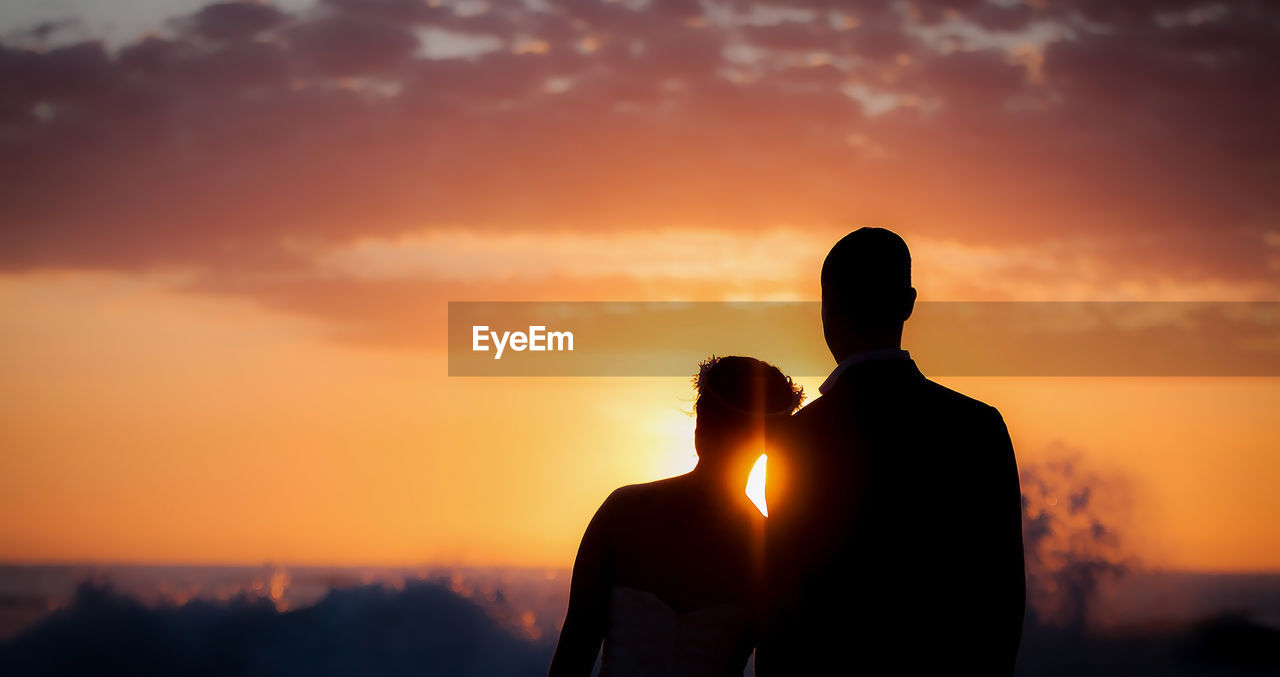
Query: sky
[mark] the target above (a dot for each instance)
(229, 231)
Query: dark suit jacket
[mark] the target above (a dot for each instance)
(894, 537)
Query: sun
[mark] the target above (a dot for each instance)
(755, 485)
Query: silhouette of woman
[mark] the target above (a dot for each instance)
(667, 572)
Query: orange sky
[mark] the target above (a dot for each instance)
(147, 425)
(229, 232)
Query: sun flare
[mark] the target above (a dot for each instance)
(755, 484)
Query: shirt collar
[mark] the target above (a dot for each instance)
(859, 358)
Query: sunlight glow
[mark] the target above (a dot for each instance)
(755, 484)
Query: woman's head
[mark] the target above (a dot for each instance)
(739, 400)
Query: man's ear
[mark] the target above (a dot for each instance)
(910, 304)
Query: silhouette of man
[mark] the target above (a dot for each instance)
(894, 538)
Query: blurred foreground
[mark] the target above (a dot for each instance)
(320, 621)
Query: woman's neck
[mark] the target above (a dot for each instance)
(717, 482)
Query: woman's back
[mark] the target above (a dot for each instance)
(682, 582)
(667, 572)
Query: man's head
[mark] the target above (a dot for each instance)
(866, 292)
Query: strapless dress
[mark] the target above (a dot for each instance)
(645, 636)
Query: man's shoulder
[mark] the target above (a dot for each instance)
(928, 397)
(946, 397)
(812, 410)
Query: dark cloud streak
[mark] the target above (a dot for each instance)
(244, 127)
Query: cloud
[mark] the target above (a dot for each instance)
(1072, 519)
(228, 134)
(232, 21)
(347, 45)
(423, 629)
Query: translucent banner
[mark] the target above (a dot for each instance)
(945, 338)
